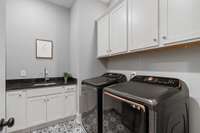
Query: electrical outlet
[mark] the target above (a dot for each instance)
(23, 73)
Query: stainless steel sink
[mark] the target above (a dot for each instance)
(44, 84)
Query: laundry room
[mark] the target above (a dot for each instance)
(99, 66)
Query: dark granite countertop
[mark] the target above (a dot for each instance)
(20, 84)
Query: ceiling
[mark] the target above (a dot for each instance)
(69, 3)
(65, 3)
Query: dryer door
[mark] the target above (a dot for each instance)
(123, 116)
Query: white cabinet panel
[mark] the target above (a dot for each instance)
(55, 107)
(70, 88)
(103, 36)
(118, 29)
(143, 24)
(70, 104)
(180, 20)
(36, 110)
(45, 91)
(16, 107)
(83, 102)
(92, 99)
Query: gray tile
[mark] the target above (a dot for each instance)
(69, 126)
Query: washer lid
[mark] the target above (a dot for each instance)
(105, 80)
(99, 81)
(146, 90)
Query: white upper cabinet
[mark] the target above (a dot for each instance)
(136, 25)
(179, 20)
(118, 29)
(103, 36)
(143, 24)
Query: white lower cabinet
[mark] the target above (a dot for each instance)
(36, 110)
(55, 107)
(33, 107)
(69, 104)
(16, 107)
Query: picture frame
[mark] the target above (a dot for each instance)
(44, 49)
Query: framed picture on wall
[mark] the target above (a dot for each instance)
(44, 49)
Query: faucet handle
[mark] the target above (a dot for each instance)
(46, 74)
(46, 71)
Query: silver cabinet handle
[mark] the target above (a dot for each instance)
(155, 40)
(20, 95)
(164, 37)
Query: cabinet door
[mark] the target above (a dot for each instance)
(83, 102)
(70, 104)
(16, 107)
(103, 36)
(143, 24)
(118, 29)
(180, 20)
(55, 107)
(36, 110)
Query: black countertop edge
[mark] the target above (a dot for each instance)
(21, 84)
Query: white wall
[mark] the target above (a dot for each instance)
(89, 65)
(83, 51)
(2, 58)
(28, 20)
(113, 3)
(182, 63)
(74, 39)
(83, 45)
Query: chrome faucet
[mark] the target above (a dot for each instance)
(46, 78)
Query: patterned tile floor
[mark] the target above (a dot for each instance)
(63, 127)
(112, 122)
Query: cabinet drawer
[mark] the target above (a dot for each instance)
(45, 91)
(70, 88)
